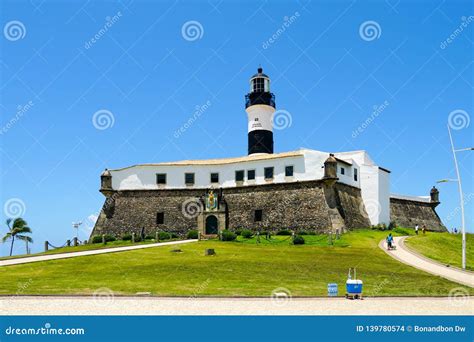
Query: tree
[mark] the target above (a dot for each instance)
(17, 231)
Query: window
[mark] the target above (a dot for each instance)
(258, 215)
(239, 176)
(343, 171)
(250, 174)
(161, 178)
(189, 178)
(355, 175)
(214, 178)
(289, 171)
(258, 84)
(160, 218)
(268, 171)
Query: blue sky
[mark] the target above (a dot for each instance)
(147, 73)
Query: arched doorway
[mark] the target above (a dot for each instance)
(211, 225)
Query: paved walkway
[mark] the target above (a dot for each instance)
(110, 305)
(405, 255)
(90, 252)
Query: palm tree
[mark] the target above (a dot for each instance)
(16, 231)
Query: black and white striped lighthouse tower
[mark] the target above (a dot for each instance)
(260, 106)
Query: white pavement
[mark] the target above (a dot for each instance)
(409, 257)
(84, 253)
(110, 305)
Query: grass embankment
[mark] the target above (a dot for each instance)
(240, 268)
(87, 247)
(443, 247)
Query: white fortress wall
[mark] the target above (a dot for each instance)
(384, 196)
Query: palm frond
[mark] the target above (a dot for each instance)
(9, 221)
(24, 229)
(6, 237)
(19, 223)
(24, 238)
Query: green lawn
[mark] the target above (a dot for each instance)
(443, 247)
(241, 268)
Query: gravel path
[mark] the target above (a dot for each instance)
(110, 305)
(83, 253)
(403, 254)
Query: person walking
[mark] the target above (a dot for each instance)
(423, 229)
(416, 229)
(389, 241)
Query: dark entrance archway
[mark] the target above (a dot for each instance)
(211, 225)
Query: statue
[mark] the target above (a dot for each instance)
(211, 202)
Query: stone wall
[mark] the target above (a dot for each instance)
(408, 213)
(308, 205)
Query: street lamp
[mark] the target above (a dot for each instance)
(461, 196)
(76, 226)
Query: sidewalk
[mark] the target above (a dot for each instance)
(403, 254)
(114, 305)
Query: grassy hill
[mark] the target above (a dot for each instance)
(443, 247)
(240, 268)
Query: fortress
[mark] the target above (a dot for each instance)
(301, 190)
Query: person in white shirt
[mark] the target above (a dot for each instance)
(416, 229)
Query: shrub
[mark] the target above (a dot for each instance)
(284, 232)
(109, 238)
(174, 236)
(227, 235)
(303, 232)
(127, 237)
(97, 239)
(311, 232)
(380, 226)
(149, 237)
(238, 231)
(138, 238)
(164, 236)
(193, 234)
(247, 234)
(298, 240)
(403, 231)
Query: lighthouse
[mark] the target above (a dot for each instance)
(260, 106)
